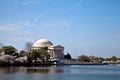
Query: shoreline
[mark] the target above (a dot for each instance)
(38, 64)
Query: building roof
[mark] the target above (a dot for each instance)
(56, 46)
(42, 43)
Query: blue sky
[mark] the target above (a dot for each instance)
(89, 27)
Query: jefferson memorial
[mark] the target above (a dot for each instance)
(55, 51)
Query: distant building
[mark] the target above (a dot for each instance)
(55, 51)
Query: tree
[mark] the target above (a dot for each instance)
(101, 58)
(41, 54)
(9, 50)
(33, 56)
(44, 53)
(113, 58)
(84, 58)
(28, 46)
(108, 59)
(92, 58)
(67, 56)
(22, 53)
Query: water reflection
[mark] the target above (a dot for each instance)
(32, 69)
(73, 72)
(45, 69)
(9, 70)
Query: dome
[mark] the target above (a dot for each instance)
(42, 43)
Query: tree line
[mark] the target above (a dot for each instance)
(85, 58)
(43, 54)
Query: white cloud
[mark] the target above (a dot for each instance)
(57, 23)
(9, 27)
(27, 2)
(26, 23)
(14, 30)
(16, 35)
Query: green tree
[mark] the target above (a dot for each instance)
(92, 58)
(9, 50)
(22, 53)
(33, 56)
(67, 56)
(101, 58)
(84, 58)
(107, 59)
(44, 53)
(113, 58)
(41, 54)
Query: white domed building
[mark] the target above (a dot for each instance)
(55, 51)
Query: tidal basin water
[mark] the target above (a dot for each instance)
(63, 72)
